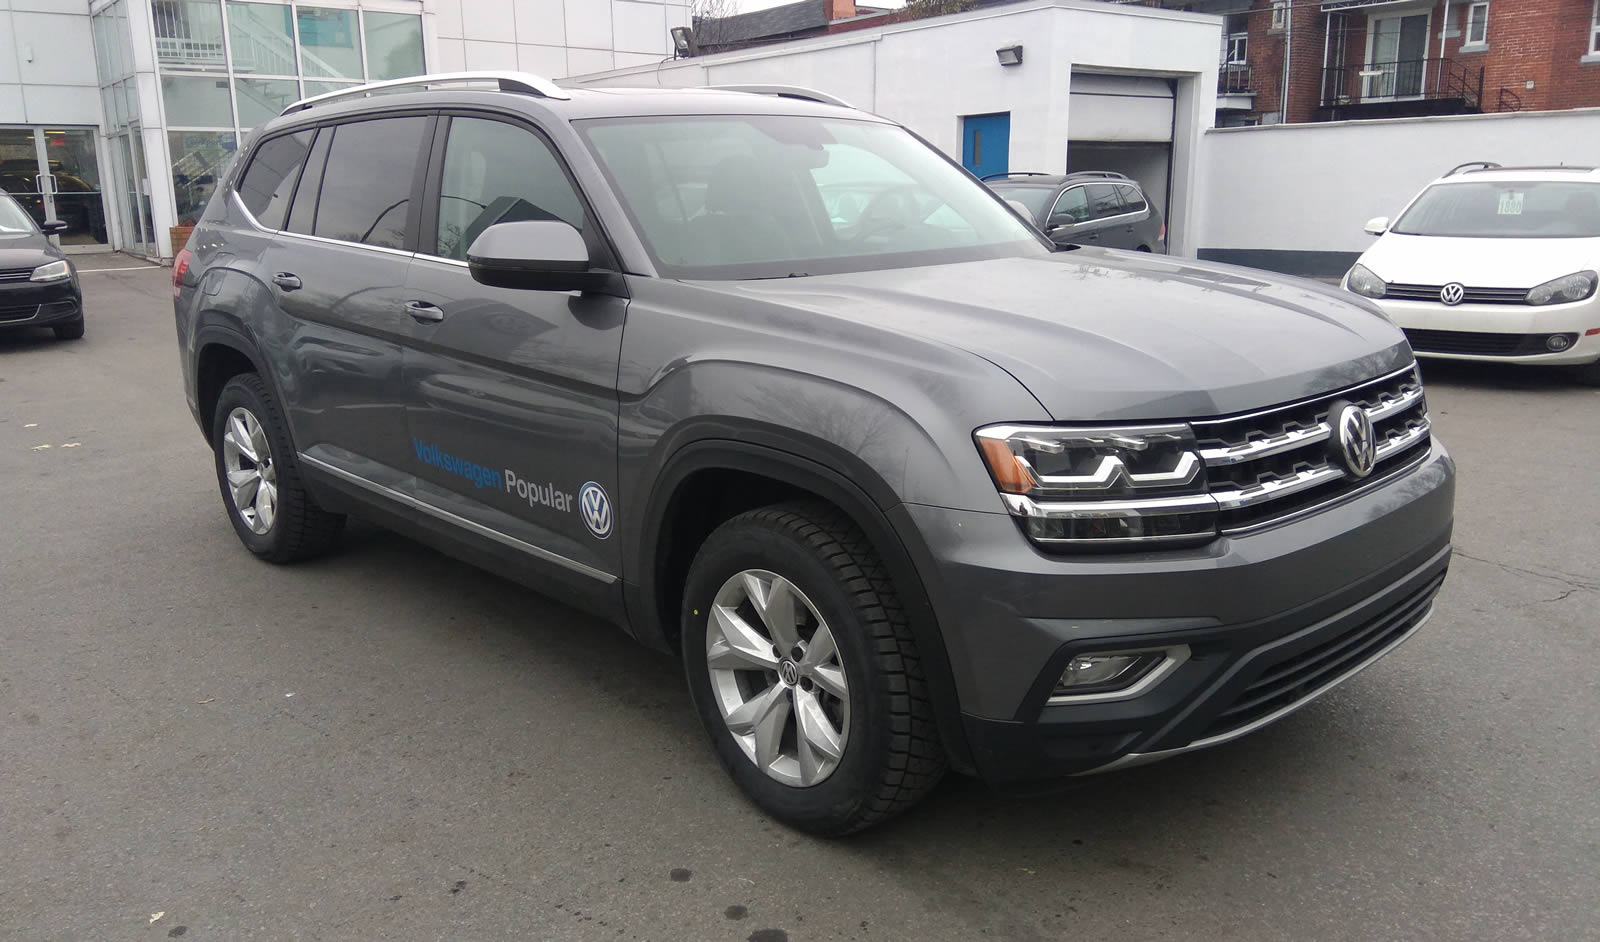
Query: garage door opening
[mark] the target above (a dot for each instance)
(1123, 123)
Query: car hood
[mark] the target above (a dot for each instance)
(1478, 263)
(25, 251)
(1095, 334)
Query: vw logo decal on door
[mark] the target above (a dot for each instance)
(595, 508)
(1452, 293)
(1355, 445)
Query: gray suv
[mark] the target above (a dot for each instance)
(1090, 207)
(771, 383)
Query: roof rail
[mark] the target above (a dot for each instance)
(1014, 173)
(786, 91)
(1473, 165)
(1106, 174)
(524, 82)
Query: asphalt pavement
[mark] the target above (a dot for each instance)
(388, 744)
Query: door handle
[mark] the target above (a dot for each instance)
(287, 281)
(424, 312)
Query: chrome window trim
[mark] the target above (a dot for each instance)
(238, 202)
(354, 245)
(1101, 219)
(1177, 655)
(457, 520)
(1140, 758)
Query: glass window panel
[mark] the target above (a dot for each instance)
(269, 180)
(263, 38)
(366, 187)
(194, 101)
(198, 161)
(497, 172)
(260, 100)
(328, 43)
(189, 34)
(394, 45)
(320, 88)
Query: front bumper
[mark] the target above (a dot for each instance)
(1272, 619)
(40, 305)
(1580, 320)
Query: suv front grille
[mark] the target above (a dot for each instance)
(1266, 465)
(15, 274)
(1299, 676)
(1480, 343)
(1401, 292)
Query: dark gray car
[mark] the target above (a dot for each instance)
(1090, 207)
(772, 384)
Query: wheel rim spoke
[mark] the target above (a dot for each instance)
(818, 745)
(774, 601)
(741, 646)
(831, 679)
(266, 504)
(248, 471)
(239, 437)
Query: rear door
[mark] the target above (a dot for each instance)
(512, 392)
(338, 271)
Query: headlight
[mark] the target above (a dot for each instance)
(1362, 281)
(1564, 290)
(1101, 486)
(54, 271)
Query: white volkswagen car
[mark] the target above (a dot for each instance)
(1494, 263)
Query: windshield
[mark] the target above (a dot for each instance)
(1509, 210)
(1033, 197)
(770, 196)
(13, 219)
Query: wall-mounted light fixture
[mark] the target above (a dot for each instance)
(1009, 55)
(683, 40)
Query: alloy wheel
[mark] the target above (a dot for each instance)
(252, 478)
(777, 678)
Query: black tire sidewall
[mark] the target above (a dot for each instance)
(822, 807)
(242, 391)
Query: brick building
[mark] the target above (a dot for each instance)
(1352, 59)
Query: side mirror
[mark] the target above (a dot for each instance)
(539, 255)
(53, 226)
(1377, 225)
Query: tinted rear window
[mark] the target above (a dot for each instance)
(269, 181)
(366, 187)
(1131, 198)
(1033, 197)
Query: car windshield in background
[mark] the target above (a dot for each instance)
(1033, 197)
(13, 219)
(770, 196)
(1526, 210)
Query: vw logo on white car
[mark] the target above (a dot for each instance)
(1452, 293)
(595, 508)
(1355, 443)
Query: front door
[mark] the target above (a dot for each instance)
(511, 393)
(1397, 60)
(986, 143)
(55, 174)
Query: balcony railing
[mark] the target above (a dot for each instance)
(1233, 78)
(1445, 81)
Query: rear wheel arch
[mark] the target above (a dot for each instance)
(708, 482)
(221, 354)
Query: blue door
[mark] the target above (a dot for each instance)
(986, 143)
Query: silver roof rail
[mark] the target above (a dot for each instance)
(525, 82)
(786, 91)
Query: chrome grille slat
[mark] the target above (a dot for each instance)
(1408, 292)
(16, 274)
(1297, 438)
(1274, 488)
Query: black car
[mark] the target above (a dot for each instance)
(1091, 207)
(38, 285)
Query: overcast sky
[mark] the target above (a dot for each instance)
(745, 6)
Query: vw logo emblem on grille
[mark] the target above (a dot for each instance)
(595, 508)
(1452, 293)
(788, 672)
(1355, 445)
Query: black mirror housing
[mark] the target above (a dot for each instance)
(537, 255)
(53, 226)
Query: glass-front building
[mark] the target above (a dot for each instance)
(183, 82)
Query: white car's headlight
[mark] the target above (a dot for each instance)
(54, 271)
(1564, 290)
(1362, 281)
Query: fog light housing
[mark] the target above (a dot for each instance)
(1115, 675)
(1556, 343)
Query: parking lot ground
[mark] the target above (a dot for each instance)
(387, 744)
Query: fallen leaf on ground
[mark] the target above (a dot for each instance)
(40, 447)
(207, 700)
(155, 916)
(72, 444)
(31, 425)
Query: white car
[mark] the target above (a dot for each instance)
(1493, 263)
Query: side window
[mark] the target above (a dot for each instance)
(1072, 206)
(366, 186)
(1103, 201)
(1132, 199)
(269, 181)
(498, 172)
(303, 214)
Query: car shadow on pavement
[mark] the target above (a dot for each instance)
(1482, 375)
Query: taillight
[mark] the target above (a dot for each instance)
(180, 265)
(1163, 236)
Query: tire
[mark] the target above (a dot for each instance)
(72, 331)
(283, 525)
(888, 751)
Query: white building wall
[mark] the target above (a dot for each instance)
(554, 38)
(1294, 197)
(926, 74)
(47, 70)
